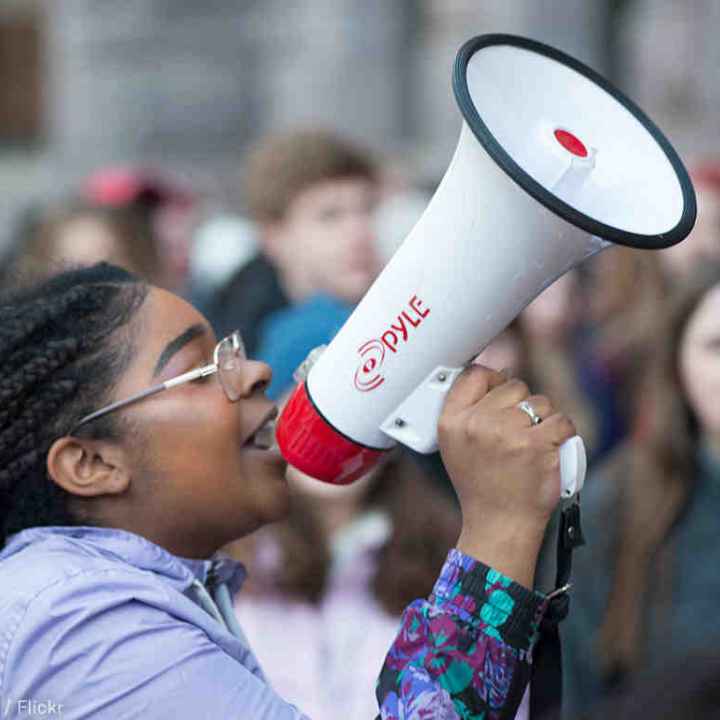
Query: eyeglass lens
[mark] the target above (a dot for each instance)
(230, 357)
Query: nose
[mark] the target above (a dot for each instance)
(256, 376)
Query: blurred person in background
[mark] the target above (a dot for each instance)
(162, 205)
(339, 571)
(508, 351)
(76, 233)
(622, 291)
(646, 587)
(703, 243)
(222, 243)
(669, 694)
(551, 326)
(289, 333)
(312, 195)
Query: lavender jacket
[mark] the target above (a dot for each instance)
(101, 623)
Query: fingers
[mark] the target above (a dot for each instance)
(555, 430)
(540, 404)
(471, 386)
(508, 394)
(478, 383)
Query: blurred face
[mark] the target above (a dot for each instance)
(699, 360)
(198, 480)
(326, 242)
(85, 241)
(554, 313)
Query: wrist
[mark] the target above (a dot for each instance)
(509, 545)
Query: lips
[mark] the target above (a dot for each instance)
(263, 438)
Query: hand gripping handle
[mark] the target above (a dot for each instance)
(414, 423)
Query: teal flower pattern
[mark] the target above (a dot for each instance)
(458, 653)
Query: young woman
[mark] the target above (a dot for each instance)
(130, 451)
(647, 585)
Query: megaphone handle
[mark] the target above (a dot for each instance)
(573, 466)
(414, 423)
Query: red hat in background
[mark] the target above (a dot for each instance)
(120, 187)
(707, 174)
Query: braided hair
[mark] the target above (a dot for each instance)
(59, 360)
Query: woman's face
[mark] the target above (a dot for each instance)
(699, 361)
(196, 475)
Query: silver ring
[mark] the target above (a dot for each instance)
(528, 409)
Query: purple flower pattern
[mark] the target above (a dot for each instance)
(463, 654)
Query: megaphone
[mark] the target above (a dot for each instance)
(553, 165)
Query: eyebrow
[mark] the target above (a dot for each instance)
(194, 331)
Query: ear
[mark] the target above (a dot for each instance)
(88, 468)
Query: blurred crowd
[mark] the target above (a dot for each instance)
(628, 345)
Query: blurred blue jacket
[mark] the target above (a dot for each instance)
(289, 334)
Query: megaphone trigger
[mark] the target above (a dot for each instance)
(414, 421)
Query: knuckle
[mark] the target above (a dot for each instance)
(475, 427)
(567, 426)
(477, 374)
(543, 403)
(519, 387)
(446, 425)
(442, 431)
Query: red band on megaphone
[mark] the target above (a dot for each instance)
(309, 443)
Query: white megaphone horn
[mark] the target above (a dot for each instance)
(553, 165)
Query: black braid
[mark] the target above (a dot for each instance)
(58, 362)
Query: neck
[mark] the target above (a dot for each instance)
(177, 541)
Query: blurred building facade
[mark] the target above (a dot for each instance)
(187, 85)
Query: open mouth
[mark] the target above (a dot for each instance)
(264, 436)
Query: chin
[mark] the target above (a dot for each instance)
(276, 495)
(354, 288)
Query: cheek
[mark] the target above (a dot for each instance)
(196, 433)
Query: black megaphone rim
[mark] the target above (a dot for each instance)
(534, 188)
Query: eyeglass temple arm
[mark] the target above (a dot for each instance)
(179, 380)
(190, 376)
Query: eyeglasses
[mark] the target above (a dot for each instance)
(228, 358)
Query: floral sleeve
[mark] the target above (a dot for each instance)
(465, 652)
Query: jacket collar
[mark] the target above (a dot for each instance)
(133, 550)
